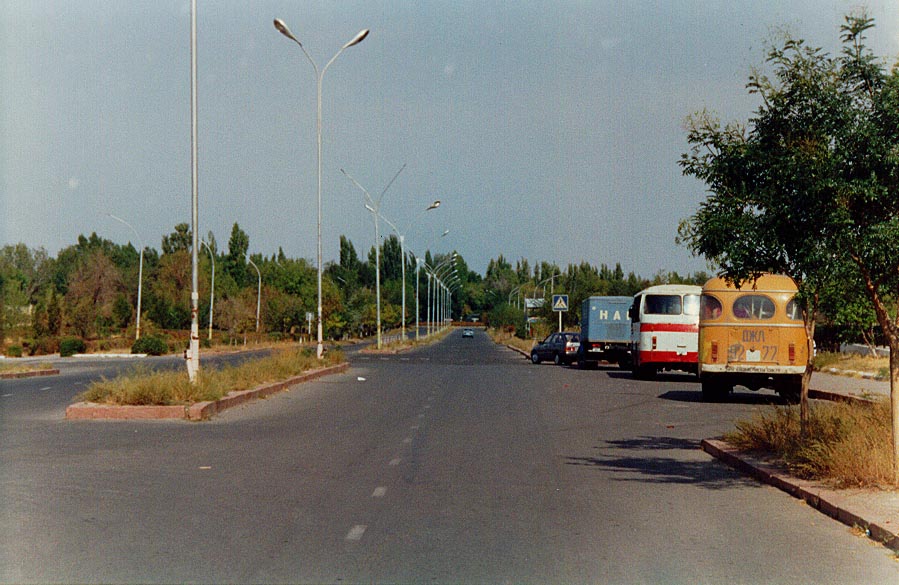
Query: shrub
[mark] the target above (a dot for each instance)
(14, 351)
(45, 346)
(69, 346)
(150, 345)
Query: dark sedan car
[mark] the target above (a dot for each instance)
(561, 348)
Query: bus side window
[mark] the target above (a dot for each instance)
(710, 307)
(794, 311)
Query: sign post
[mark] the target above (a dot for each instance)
(560, 305)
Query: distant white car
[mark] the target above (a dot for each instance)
(467, 332)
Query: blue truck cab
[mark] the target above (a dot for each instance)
(605, 331)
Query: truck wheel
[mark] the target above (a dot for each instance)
(535, 359)
(644, 372)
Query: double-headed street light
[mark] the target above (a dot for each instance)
(140, 273)
(282, 28)
(418, 263)
(375, 208)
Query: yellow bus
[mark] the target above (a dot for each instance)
(751, 336)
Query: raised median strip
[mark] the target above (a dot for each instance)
(874, 512)
(31, 374)
(194, 412)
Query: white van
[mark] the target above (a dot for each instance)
(665, 329)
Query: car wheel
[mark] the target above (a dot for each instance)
(535, 359)
(557, 360)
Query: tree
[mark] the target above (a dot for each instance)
(810, 187)
(179, 240)
(236, 259)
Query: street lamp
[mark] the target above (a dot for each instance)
(282, 28)
(140, 273)
(418, 263)
(258, 292)
(402, 238)
(374, 208)
(211, 287)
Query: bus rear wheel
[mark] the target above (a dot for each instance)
(714, 389)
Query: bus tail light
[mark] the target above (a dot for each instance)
(715, 351)
(792, 352)
(654, 342)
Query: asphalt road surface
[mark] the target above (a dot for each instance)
(457, 463)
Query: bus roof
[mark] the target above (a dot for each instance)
(764, 283)
(671, 289)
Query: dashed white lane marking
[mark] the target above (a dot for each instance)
(356, 532)
(422, 415)
(407, 440)
(379, 492)
(427, 406)
(414, 427)
(7, 395)
(46, 388)
(394, 462)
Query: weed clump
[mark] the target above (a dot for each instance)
(848, 445)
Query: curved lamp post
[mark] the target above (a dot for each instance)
(211, 287)
(360, 36)
(375, 207)
(402, 238)
(258, 292)
(140, 273)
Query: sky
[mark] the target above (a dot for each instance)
(550, 131)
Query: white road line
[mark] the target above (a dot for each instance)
(394, 462)
(7, 395)
(407, 440)
(414, 427)
(46, 388)
(379, 492)
(356, 532)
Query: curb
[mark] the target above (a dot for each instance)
(825, 500)
(32, 374)
(193, 412)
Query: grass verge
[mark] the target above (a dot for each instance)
(24, 368)
(507, 338)
(852, 364)
(848, 445)
(142, 386)
(398, 345)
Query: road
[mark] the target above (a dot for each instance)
(456, 463)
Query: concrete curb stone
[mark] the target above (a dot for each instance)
(32, 374)
(194, 412)
(877, 513)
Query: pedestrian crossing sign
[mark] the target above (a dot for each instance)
(560, 302)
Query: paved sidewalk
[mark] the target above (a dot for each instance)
(849, 386)
(874, 513)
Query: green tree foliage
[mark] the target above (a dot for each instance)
(178, 241)
(235, 264)
(810, 188)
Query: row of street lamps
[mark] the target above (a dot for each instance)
(192, 355)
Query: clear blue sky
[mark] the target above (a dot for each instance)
(550, 130)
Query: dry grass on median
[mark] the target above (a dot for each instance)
(848, 444)
(144, 387)
(13, 368)
(507, 338)
(853, 364)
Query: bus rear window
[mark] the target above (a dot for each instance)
(753, 307)
(662, 305)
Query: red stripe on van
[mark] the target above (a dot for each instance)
(672, 327)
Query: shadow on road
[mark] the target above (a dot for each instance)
(748, 397)
(650, 466)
